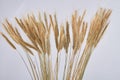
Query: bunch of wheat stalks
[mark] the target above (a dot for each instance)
(38, 32)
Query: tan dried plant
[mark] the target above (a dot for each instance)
(38, 31)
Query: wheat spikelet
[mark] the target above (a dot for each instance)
(8, 41)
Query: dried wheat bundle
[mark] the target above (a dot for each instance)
(38, 32)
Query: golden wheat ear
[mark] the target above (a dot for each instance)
(38, 48)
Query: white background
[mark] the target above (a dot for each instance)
(104, 63)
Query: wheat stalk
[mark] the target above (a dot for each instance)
(38, 32)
